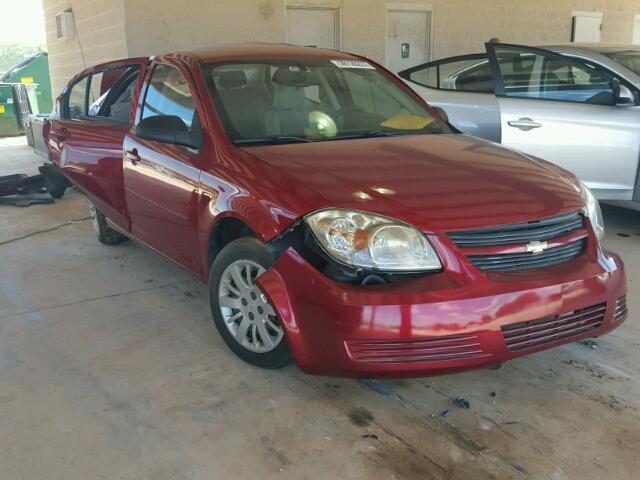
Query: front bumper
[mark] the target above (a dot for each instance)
(441, 323)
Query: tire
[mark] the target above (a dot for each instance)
(241, 312)
(105, 234)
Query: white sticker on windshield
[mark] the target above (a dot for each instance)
(352, 64)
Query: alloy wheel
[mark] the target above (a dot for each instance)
(247, 313)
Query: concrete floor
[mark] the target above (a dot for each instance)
(110, 368)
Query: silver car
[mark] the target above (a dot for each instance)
(574, 105)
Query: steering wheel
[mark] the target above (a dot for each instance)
(340, 113)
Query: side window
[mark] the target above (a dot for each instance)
(116, 88)
(100, 86)
(464, 74)
(168, 94)
(77, 98)
(468, 75)
(427, 76)
(533, 74)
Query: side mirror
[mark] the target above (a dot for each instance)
(167, 129)
(625, 96)
(441, 113)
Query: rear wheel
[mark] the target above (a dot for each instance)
(241, 311)
(105, 234)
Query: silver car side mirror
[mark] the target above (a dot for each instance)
(625, 96)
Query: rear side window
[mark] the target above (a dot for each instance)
(77, 99)
(427, 76)
(111, 93)
(463, 74)
(168, 94)
(466, 75)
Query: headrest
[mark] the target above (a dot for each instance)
(294, 78)
(288, 98)
(232, 79)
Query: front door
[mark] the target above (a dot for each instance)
(408, 38)
(161, 179)
(565, 112)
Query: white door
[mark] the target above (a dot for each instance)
(408, 39)
(636, 30)
(313, 27)
(587, 27)
(564, 112)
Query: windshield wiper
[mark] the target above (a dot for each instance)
(376, 133)
(271, 140)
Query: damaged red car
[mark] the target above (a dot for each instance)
(337, 219)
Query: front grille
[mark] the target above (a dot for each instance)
(518, 232)
(621, 309)
(431, 349)
(524, 335)
(510, 262)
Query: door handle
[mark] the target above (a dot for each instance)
(525, 124)
(132, 155)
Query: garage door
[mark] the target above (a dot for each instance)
(313, 27)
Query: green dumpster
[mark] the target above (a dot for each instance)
(33, 70)
(10, 124)
(17, 102)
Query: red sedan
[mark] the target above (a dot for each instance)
(336, 217)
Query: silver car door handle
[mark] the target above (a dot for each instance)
(524, 124)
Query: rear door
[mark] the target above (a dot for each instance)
(162, 179)
(565, 112)
(463, 87)
(86, 141)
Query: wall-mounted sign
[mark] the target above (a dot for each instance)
(405, 50)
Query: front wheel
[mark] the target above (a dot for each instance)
(241, 311)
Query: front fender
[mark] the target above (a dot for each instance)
(221, 199)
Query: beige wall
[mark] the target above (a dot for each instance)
(111, 29)
(101, 33)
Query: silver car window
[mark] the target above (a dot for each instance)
(532, 74)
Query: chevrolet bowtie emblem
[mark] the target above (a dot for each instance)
(536, 247)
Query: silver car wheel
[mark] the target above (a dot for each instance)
(250, 318)
(94, 216)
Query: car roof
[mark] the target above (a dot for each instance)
(249, 51)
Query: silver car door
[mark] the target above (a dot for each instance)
(462, 87)
(565, 112)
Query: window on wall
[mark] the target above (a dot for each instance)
(77, 98)
(168, 94)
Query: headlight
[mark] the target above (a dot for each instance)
(592, 210)
(364, 240)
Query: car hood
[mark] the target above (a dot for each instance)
(434, 182)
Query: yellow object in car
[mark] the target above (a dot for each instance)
(407, 122)
(1, 108)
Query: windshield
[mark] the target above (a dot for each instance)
(305, 101)
(626, 58)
